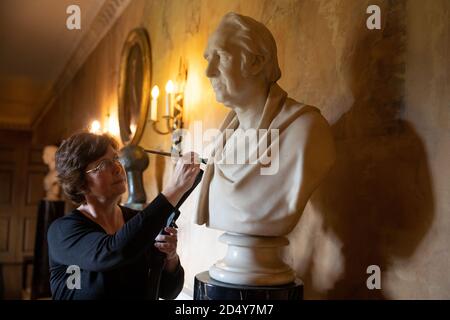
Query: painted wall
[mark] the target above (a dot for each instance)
(386, 95)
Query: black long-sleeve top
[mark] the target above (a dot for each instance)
(111, 266)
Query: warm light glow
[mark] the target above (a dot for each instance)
(155, 92)
(112, 126)
(133, 128)
(193, 92)
(169, 87)
(95, 127)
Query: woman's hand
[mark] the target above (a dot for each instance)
(183, 177)
(168, 245)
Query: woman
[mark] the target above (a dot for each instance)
(111, 246)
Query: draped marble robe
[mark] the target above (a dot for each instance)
(238, 198)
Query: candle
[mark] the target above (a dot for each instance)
(169, 91)
(154, 104)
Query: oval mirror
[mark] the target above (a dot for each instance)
(134, 83)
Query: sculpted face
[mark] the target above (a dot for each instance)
(48, 156)
(224, 69)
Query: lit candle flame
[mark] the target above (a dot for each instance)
(169, 86)
(155, 92)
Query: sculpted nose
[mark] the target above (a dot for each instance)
(211, 69)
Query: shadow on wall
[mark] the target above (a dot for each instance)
(378, 198)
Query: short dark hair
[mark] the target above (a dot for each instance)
(72, 158)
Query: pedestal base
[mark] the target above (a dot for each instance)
(252, 261)
(206, 288)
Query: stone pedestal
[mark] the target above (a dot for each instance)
(253, 261)
(134, 160)
(48, 211)
(206, 288)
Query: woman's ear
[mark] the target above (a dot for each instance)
(84, 189)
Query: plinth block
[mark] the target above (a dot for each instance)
(206, 288)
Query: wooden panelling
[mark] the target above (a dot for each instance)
(12, 277)
(35, 156)
(7, 155)
(6, 187)
(35, 189)
(17, 224)
(4, 234)
(29, 232)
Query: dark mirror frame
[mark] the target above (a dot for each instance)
(137, 37)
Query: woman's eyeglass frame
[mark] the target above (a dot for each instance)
(104, 164)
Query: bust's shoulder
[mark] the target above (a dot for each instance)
(304, 117)
(310, 135)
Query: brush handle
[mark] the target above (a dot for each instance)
(168, 154)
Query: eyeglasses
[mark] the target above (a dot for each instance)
(105, 164)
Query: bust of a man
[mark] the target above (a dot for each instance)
(51, 184)
(240, 197)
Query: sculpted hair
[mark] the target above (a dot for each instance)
(256, 39)
(72, 158)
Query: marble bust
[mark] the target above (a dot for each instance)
(258, 210)
(51, 184)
